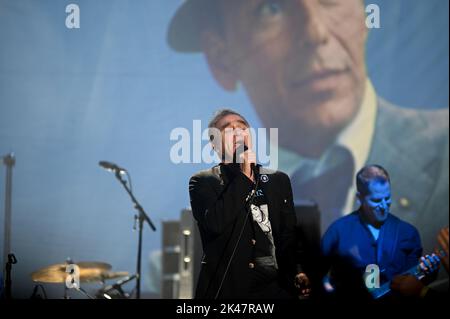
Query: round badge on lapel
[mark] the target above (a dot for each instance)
(264, 178)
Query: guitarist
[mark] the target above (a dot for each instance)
(410, 286)
(370, 235)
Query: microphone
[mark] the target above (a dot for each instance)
(111, 167)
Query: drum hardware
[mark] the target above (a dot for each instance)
(72, 274)
(115, 291)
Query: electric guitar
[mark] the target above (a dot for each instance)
(416, 271)
(385, 288)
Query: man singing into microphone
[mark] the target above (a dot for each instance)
(246, 218)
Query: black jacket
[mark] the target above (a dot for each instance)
(218, 196)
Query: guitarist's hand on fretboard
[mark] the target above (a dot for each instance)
(414, 282)
(409, 283)
(429, 265)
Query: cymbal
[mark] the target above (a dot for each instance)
(114, 274)
(89, 272)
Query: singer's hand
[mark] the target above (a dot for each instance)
(248, 157)
(303, 285)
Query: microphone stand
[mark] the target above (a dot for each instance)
(140, 217)
(8, 282)
(8, 258)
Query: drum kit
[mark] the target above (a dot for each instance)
(71, 275)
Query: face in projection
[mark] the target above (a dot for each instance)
(376, 203)
(300, 61)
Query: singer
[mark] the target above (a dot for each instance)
(246, 222)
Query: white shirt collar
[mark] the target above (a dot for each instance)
(356, 137)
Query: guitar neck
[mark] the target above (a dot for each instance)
(386, 287)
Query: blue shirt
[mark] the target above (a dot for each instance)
(397, 249)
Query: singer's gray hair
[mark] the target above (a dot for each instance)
(218, 115)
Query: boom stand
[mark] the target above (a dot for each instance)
(140, 217)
